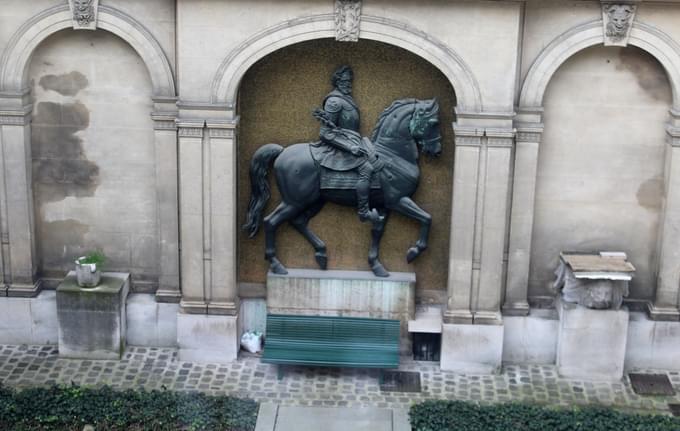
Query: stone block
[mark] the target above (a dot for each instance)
(345, 293)
(15, 324)
(531, 339)
(207, 338)
(591, 344)
(652, 344)
(92, 321)
(472, 349)
(45, 325)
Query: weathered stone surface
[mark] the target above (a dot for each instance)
(472, 349)
(591, 344)
(344, 293)
(92, 321)
(207, 338)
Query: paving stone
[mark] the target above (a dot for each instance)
(156, 368)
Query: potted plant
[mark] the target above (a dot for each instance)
(88, 269)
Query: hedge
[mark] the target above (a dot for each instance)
(466, 416)
(71, 407)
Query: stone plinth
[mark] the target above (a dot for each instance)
(472, 349)
(207, 338)
(591, 344)
(345, 293)
(92, 322)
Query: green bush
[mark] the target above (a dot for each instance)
(70, 408)
(465, 416)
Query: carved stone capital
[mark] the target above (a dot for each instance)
(164, 121)
(347, 19)
(190, 128)
(84, 14)
(617, 21)
(16, 117)
(225, 129)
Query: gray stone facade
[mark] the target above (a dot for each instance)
(119, 130)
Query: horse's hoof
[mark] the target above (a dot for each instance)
(277, 268)
(413, 252)
(321, 260)
(379, 270)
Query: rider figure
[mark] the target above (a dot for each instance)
(340, 131)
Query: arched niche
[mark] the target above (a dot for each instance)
(15, 135)
(530, 128)
(276, 98)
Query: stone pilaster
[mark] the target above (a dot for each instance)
(492, 224)
(16, 196)
(165, 139)
(223, 217)
(191, 202)
(484, 144)
(468, 141)
(522, 217)
(667, 299)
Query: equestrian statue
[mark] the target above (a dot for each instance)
(377, 176)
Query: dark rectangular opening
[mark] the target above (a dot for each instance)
(426, 346)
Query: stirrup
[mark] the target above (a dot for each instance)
(371, 215)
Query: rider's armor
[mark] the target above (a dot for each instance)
(345, 150)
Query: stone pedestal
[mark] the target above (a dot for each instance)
(591, 344)
(472, 349)
(92, 323)
(345, 293)
(207, 338)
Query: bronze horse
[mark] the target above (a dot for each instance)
(406, 126)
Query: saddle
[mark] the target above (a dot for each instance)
(338, 167)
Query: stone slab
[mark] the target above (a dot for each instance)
(151, 323)
(591, 344)
(207, 338)
(266, 417)
(333, 419)
(472, 349)
(652, 344)
(92, 321)
(531, 339)
(344, 293)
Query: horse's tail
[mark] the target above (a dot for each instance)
(259, 192)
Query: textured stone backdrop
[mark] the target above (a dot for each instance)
(276, 99)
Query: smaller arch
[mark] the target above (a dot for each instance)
(17, 55)
(646, 37)
(234, 66)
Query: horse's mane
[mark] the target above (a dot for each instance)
(389, 110)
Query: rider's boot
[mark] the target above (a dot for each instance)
(363, 193)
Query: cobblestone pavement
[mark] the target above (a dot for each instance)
(157, 368)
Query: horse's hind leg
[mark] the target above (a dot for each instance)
(282, 213)
(376, 235)
(300, 222)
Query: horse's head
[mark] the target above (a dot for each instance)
(424, 127)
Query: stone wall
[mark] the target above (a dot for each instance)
(601, 163)
(93, 155)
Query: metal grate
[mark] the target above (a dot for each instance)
(651, 384)
(400, 381)
(675, 409)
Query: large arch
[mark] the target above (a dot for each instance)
(644, 36)
(530, 128)
(15, 132)
(15, 59)
(234, 66)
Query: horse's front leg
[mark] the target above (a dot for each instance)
(373, 253)
(410, 209)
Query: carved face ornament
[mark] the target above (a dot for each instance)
(82, 6)
(619, 17)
